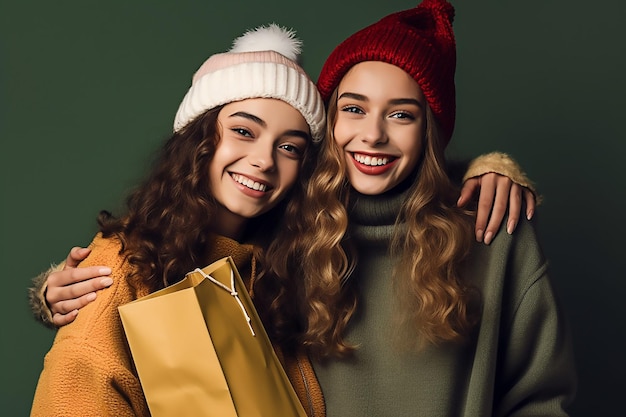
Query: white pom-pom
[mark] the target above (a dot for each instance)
(269, 38)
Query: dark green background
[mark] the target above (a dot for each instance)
(89, 89)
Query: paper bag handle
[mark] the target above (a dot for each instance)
(232, 292)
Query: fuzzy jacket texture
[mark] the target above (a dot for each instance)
(37, 296)
(503, 164)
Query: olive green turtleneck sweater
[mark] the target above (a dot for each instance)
(519, 362)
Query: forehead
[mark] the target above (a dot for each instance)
(273, 112)
(379, 79)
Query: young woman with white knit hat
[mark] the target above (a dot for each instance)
(243, 136)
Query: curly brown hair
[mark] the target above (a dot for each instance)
(316, 258)
(166, 231)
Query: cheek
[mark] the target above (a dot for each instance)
(414, 148)
(226, 152)
(290, 173)
(342, 132)
(215, 177)
(221, 159)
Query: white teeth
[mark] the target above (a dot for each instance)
(249, 183)
(370, 160)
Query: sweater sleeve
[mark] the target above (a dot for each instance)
(500, 163)
(85, 381)
(37, 296)
(89, 370)
(538, 374)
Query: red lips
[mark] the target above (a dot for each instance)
(373, 169)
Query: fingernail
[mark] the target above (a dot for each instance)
(479, 235)
(458, 202)
(104, 271)
(91, 296)
(488, 237)
(510, 227)
(106, 281)
(529, 214)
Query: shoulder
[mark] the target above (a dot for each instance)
(108, 252)
(510, 265)
(104, 251)
(521, 247)
(99, 319)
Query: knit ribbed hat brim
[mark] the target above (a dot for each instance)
(234, 76)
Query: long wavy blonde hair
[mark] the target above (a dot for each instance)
(316, 260)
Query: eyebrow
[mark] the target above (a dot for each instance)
(395, 101)
(250, 117)
(298, 133)
(291, 132)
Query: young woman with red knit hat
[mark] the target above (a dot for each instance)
(400, 311)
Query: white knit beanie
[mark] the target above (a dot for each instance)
(261, 64)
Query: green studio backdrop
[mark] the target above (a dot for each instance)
(88, 91)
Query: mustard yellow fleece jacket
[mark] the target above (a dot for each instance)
(89, 370)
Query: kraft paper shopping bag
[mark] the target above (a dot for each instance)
(200, 350)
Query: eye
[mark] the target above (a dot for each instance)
(242, 132)
(352, 109)
(402, 115)
(291, 150)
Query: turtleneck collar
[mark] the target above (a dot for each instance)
(373, 217)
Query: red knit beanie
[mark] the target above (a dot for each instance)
(420, 41)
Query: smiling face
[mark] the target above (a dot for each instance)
(379, 126)
(257, 160)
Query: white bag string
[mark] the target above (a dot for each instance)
(232, 292)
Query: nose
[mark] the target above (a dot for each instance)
(374, 132)
(262, 156)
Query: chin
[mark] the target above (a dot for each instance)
(370, 190)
